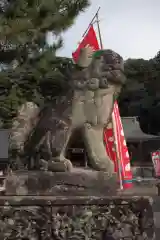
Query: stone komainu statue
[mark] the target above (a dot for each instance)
(95, 84)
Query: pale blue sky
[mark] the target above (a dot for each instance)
(130, 27)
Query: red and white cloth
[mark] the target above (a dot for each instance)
(156, 162)
(117, 149)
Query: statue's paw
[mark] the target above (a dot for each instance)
(56, 165)
(68, 165)
(108, 167)
(43, 164)
(104, 165)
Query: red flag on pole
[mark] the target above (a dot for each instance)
(90, 39)
(113, 135)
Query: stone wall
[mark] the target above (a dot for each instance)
(82, 205)
(91, 218)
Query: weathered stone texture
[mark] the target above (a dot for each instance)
(77, 183)
(76, 218)
(27, 223)
(81, 205)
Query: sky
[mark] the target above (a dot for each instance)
(129, 27)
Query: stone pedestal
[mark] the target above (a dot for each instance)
(81, 205)
(79, 182)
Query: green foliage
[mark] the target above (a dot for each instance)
(142, 77)
(141, 95)
(30, 68)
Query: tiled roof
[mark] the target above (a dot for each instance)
(133, 132)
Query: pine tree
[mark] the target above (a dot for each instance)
(30, 69)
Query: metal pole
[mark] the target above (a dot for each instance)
(99, 31)
(91, 22)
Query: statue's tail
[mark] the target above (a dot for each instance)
(23, 125)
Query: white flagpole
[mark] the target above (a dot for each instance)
(116, 148)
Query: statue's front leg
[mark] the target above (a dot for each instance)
(62, 137)
(59, 162)
(96, 149)
(98, 112)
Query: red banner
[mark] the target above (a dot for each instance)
(90, 39)
(116, 148)
(109, 138)
(110, 145)
(156, 162)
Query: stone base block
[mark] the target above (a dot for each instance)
(80, 182)
(81, 205)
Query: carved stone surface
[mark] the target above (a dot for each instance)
(32, 218)
(23, 124)
(75, 205)
(25, 222)
(77, 183)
